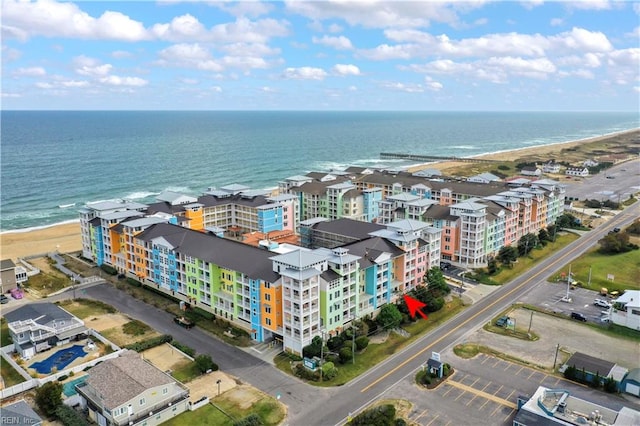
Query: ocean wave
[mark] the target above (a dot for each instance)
(464, 147)
(37, 228)
(140, 195)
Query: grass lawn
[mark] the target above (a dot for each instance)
(9, 374)
(186, 372)
(5, 338)
(469, 350)
(46, 283)
(84, 308)
(624, 267)
(118, 336)
(376, 353)
(266, 408)
(525, 263)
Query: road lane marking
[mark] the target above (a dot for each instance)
(532, 373)
(458, 397)
(448, 390)
(485, 386)
(482, 394)
(521, 368)
(544, 270)
(508, 365)
(493, 413)
(484, 360)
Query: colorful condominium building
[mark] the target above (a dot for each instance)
(287, 293)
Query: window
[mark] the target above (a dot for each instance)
(267, 297)
(267, 309)
(165, 391)
(267, 321)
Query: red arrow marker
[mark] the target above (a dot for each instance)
(414, 306)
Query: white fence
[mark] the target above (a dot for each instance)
(31, 383)
(199, 403)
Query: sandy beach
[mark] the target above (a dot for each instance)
(66, 238)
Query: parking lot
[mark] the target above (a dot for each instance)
(549, 297)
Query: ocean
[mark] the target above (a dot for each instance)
(51, 159)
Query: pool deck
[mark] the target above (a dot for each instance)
(41, 356)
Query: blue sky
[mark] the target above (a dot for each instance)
(321, 55)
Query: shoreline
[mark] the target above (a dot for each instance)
(65, 236)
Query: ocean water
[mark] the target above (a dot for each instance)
(57, 158)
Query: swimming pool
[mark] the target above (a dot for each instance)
(69, 388)
(59, 360)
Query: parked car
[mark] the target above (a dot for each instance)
(578, 316)
(502, 321)
(601, 303)
(444, 266)
(183, 322)
(16, 293)
(4, 299)
(605, 318)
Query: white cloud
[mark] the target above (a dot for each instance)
(98, 70)
(344, 70)
(352, 88)
(432, 85)
(245, 8)
(185, 52)
(382, 14)
(44, 85)
(589, 4)
(185, 27)
(338, 43)
(335, 28)
(216, 89)
(52, 19)
(625, 58)
(115, 80)
(190, 81)
(11, 95)
(74, 83)
(268, 89)
(556, 22)
(29, 72)
(404, 87)
(304, 73)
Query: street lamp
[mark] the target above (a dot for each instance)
(353, 340)
(321, 351)
(218, 383)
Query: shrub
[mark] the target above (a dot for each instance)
(610, 385)
(184, 348)
(345, 355)
(70, 417)
(250, 420)
(149, 343)
(335, 343)
(329, 370)
(205, 363)
(302, 372)
(109, 270)
(134, 282)
(446, 369)
(333, 358)
(399, 422)
(381, 415)
(362, 342)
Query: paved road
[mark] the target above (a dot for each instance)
(308, 405)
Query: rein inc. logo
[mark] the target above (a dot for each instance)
(17, 420)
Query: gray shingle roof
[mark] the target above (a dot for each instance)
(252, 261)
(371, 248)
(590, 364)
(121, 379)
(6, 264)
(43, 312)
(349, 228)
(19, 413)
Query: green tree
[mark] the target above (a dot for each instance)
(314, 349)
(49, 398)
(345, 354)
(362, 342)
(205, 363)
(389, 316)
(436, 283)
(492, 266)
(507, 255)
(613, 243)
(526, 243)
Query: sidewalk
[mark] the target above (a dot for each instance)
(264, 351)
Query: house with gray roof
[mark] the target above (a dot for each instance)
(128, 390)
(37, 327)
(19, 413)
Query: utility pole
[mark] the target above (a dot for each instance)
(556, 358)
(530, 321)
(321, 351)
(353, 341)
(589, 281)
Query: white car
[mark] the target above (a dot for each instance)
(601, 303)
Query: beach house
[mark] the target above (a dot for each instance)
(37, 327)
(626, 310)
(7, 276)
(128, 390)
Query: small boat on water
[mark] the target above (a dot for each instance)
(66, 206)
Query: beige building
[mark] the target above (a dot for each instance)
(7, 275)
